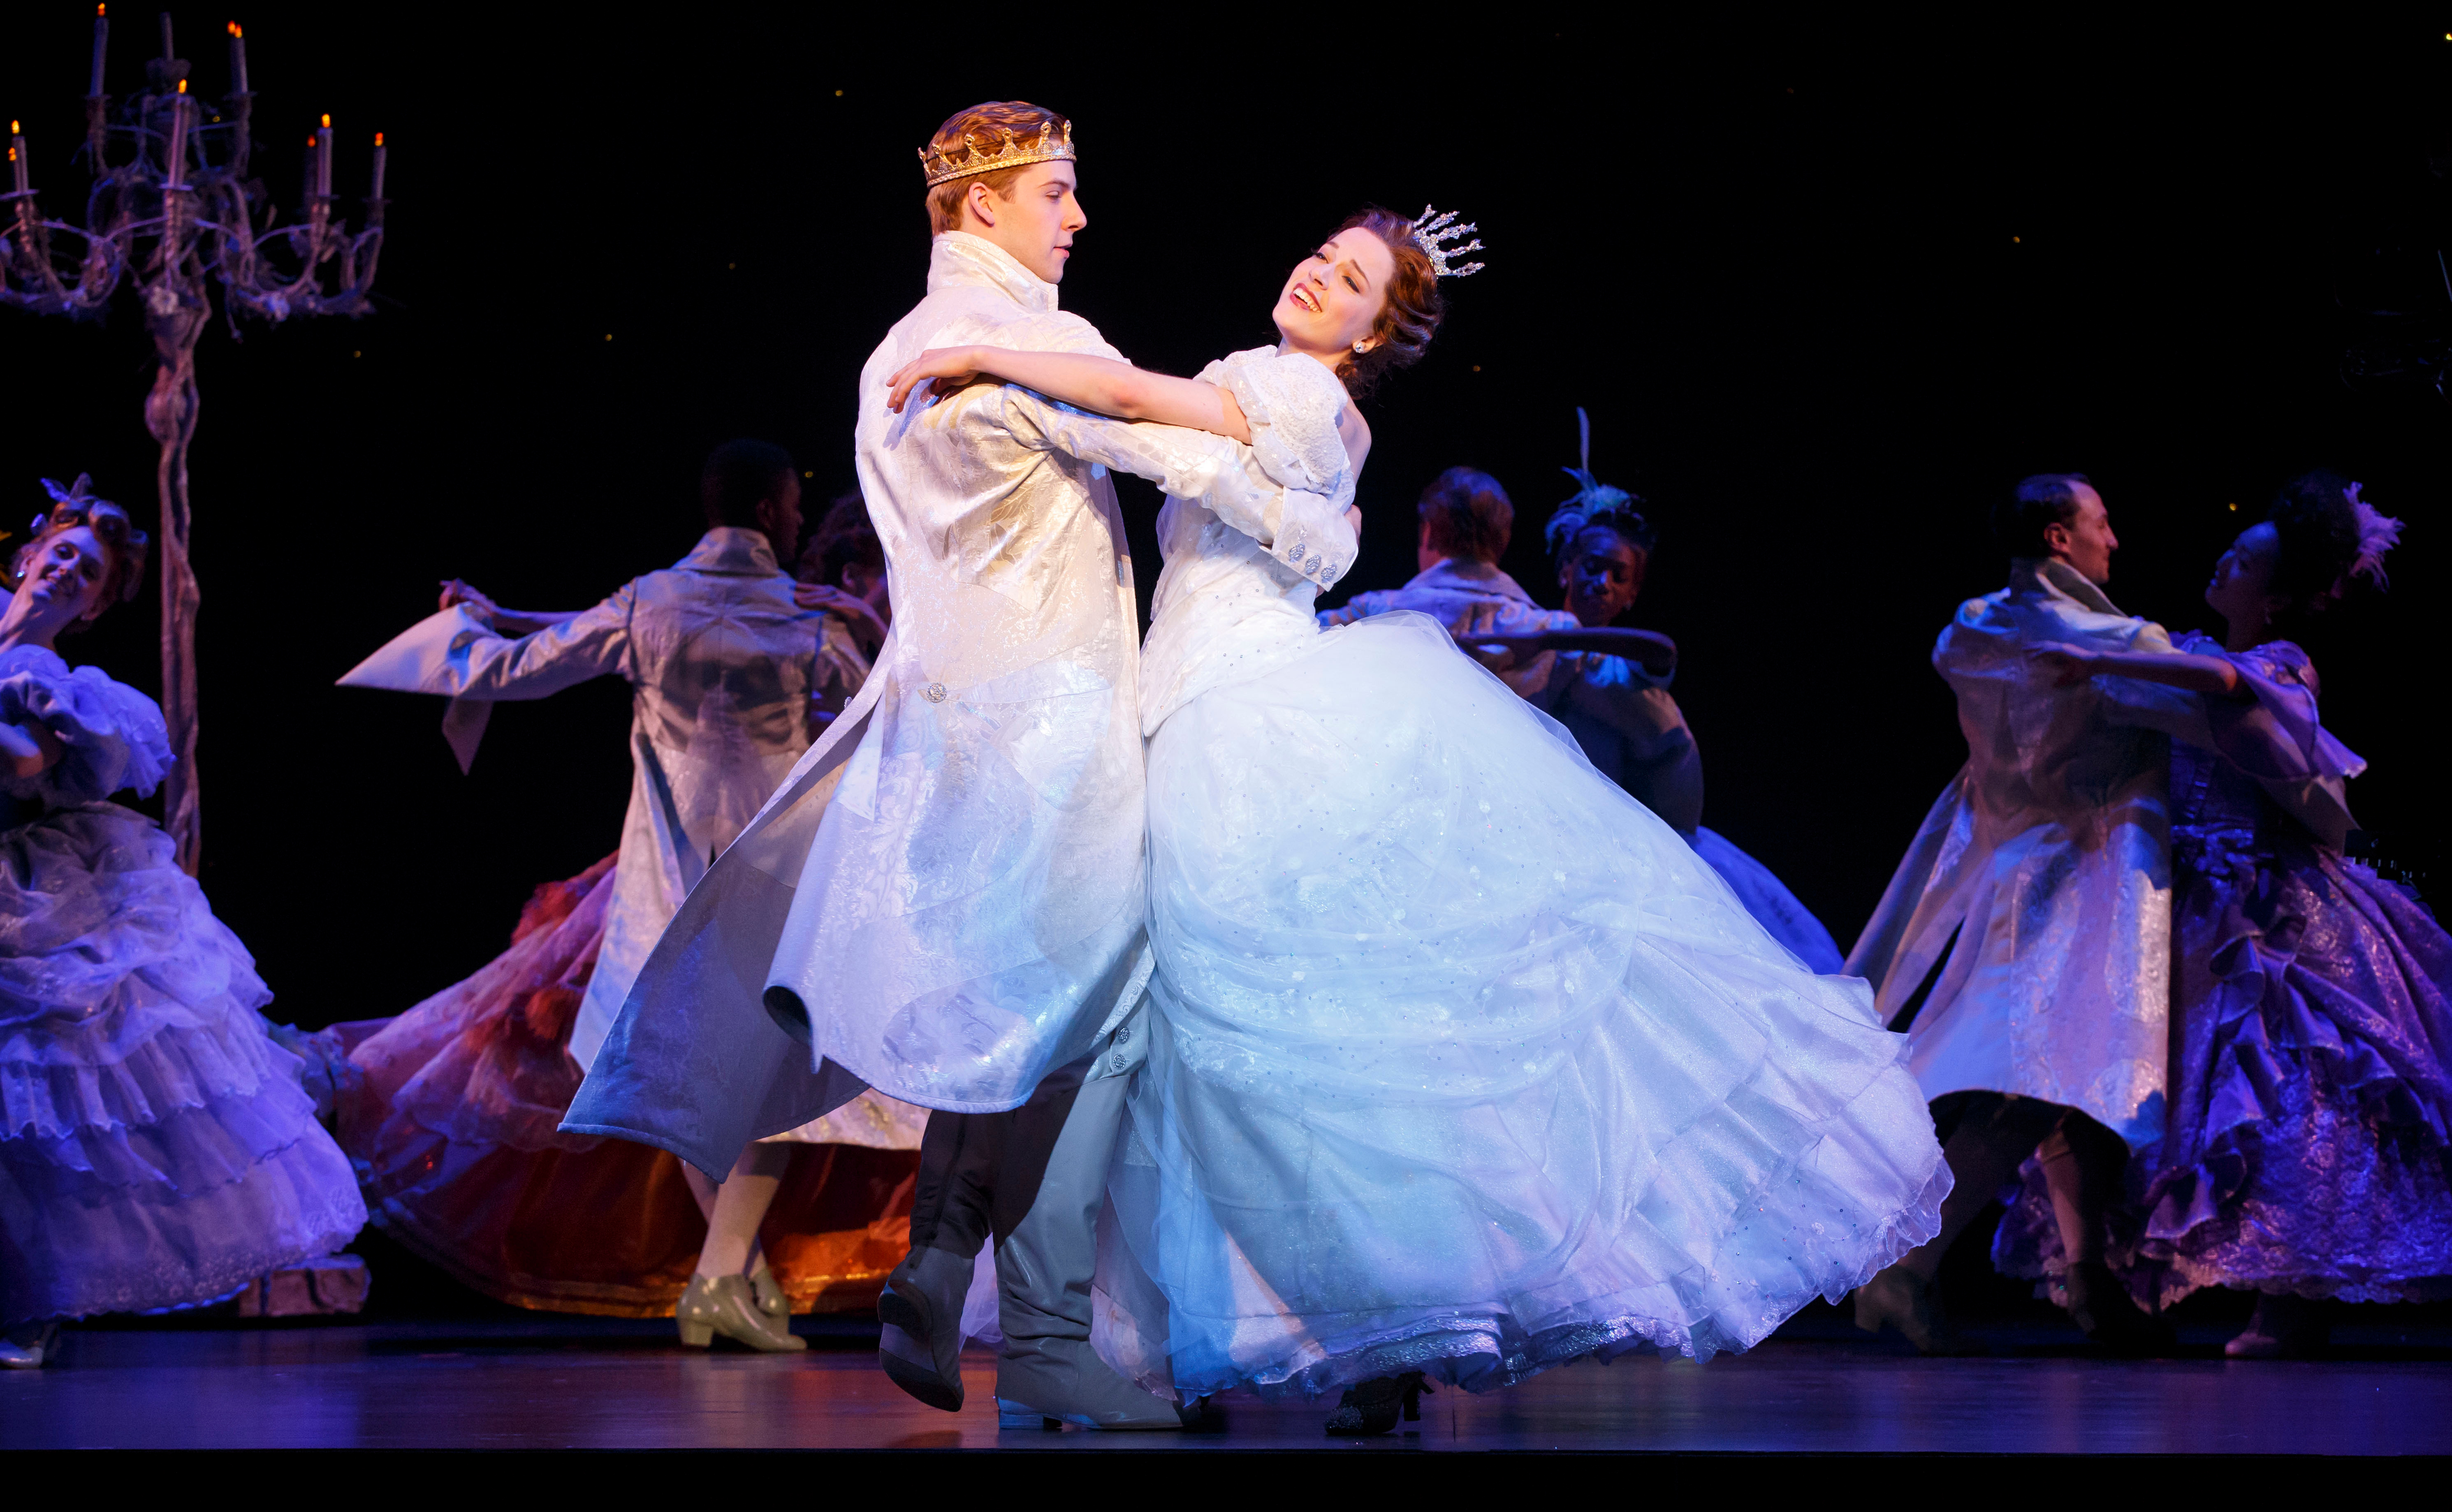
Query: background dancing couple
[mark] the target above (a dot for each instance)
(1299, 1010)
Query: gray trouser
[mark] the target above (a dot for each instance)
(1032, 1178)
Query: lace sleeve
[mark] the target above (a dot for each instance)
(113, 735)
(1291, 404)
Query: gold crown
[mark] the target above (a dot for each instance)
(942, 166)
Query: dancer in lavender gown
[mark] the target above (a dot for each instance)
(2304, 1152)
(156, 1147)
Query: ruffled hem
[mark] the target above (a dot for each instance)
(123, 1000)
(2288, 1050)
(222, 1053)
(130, 1251)
(2318, 1205)
(1458, 1053)
(1696, 1314)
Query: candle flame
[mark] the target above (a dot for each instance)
(99, 10)
(328, 123)
(183, 86)
(378, 139)
(14, 128)
(235, 31)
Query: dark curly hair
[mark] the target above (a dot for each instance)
(843, 538)
(124, 547)
(1414, 309)
(2319, 531)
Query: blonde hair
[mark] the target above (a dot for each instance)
(987, 125)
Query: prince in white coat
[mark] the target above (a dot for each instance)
(2024, 943)
(961, 925)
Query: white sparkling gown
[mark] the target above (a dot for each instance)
(1459, 1060)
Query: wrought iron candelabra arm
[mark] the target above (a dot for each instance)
(175, 215)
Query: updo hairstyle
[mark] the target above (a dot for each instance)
(844, 537)
(1599, 506)
(1413, 310)
(2329, 541)
(124, 547)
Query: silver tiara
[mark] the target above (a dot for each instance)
(1430, 231)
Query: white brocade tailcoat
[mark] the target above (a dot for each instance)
(968, 911)
(2048, 858)
(723, 664)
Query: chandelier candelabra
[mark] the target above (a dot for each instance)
(172, 211)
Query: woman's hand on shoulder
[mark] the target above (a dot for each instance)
(1468, 630)
(460, 594)
(853, 610)
(2065, 664)
(936, 372)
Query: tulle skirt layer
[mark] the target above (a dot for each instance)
(156, 1148)
(1462, 1061)
(451, 1109)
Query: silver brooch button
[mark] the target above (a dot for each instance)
(933, 693)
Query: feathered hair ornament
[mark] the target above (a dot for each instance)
(2378, 534)
(1596, 503)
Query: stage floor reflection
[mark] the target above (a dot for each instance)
(573, 1383)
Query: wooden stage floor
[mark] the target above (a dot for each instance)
(552, 1382)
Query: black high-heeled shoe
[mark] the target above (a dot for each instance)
(1376, 1406)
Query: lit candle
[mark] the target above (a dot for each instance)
(17, 160)
(380, 151)
(324, 158)
(101, 42)
(238, 59)
(174, 162)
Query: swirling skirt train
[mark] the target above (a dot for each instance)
(1462, 1061)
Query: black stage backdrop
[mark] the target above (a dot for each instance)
(1826, 292)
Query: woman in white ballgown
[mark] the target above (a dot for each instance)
(1461, 1064)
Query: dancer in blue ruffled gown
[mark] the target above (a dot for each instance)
(156, 1148)
(2307, 1153)
(1460, 1063)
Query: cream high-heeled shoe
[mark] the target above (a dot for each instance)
(724, 1305)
